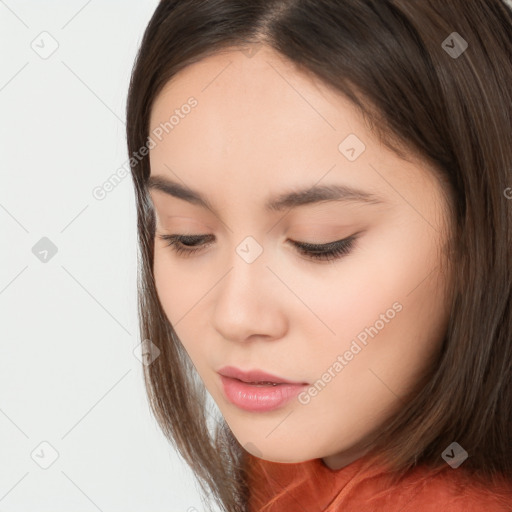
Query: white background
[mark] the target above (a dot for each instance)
(68, 375)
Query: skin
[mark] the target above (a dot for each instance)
(260, 128)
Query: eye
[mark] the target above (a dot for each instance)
(186, 245)
(326, 252)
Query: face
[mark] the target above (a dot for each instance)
(357, 328)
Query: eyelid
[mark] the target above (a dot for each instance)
(309, 245)
(324, 245)
(329, 252)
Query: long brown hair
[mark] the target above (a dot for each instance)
(451, 107)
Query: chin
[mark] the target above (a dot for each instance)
(282, 454)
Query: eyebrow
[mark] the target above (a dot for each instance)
(287, 200)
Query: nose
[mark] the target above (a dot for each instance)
(250, 302)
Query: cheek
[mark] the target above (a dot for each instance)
(166, 285)
(182, 295)
(389, 316)
(391, 312)
(176, 293)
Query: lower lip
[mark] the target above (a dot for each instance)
(252, 397)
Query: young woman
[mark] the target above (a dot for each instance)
(324, 198)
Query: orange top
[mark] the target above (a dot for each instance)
(312, 486)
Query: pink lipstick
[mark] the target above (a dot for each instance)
(256, 390)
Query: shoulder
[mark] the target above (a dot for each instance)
(368, 487)
(448, 489)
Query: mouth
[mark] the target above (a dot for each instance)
(258, 391)
(258, 384)
(255, 377)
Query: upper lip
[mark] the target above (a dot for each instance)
(253, 375)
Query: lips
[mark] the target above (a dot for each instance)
(256, 377)
(257, 391)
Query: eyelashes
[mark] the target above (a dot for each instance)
(326, 252)
(187, 245)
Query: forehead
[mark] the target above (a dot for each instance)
(259, 123)
(231, 82)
